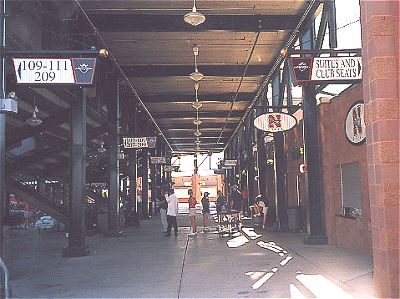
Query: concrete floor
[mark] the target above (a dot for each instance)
(144, 263)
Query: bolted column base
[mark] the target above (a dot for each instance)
(315, 239)
(76, 251)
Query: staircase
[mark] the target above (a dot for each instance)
(53, 204)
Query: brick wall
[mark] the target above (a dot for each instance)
(336, 150)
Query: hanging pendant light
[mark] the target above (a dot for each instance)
(34, 120)
(197, 122)
(197, 105)
(196, 75)
(197, 133)
(194, 18)
(101, 149)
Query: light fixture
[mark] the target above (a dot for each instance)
(34, 120)
(101, 149)
(197, 142)
(194, 18)
(197, 122)
(196, 75)
(197, 133)
(197, 105)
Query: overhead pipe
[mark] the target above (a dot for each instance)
(241, 81)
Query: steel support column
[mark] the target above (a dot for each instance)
(145, 183)
(261, 155)
(158, 170)
(114, 182)
(251, 174)
(279, 161)
(77, 176)
(313, 193)
(2, 174)
(153, 174)
(2, 127)
(133, 163)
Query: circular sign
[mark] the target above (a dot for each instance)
(355, 125)
(275, 122)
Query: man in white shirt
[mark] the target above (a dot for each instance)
(172, 211)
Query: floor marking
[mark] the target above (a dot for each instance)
(183, 266)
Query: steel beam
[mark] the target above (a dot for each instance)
(189, 98)
(202, 113)
(236, 70)
(53, 120)
(174, 23)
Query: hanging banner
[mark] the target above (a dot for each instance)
(275, 122)
(158, 160)
(139, 142)
(336, 69)
(75, 71)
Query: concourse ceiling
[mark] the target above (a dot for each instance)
(153, 45)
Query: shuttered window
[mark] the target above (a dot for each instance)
(351, 190)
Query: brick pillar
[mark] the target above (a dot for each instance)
(380, 50)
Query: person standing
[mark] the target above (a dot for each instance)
(163, 211)
(236, 202)
(206, 209)
(220, 205)
(262, 205)
(192, 212)
(236, 199)
(172, 212)
(245, 196)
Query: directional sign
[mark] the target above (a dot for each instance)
(158, 160)
(335, 69)
(230, 162)
(139, 142)
(225, 167)
(54, 71)
(169, 168)
(219, 171)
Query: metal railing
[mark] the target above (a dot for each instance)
(5, 287)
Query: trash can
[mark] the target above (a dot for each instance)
(295, 217)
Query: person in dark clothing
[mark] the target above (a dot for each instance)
(220, 205)
(236, 199)
(163, 210)
(206, 208)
